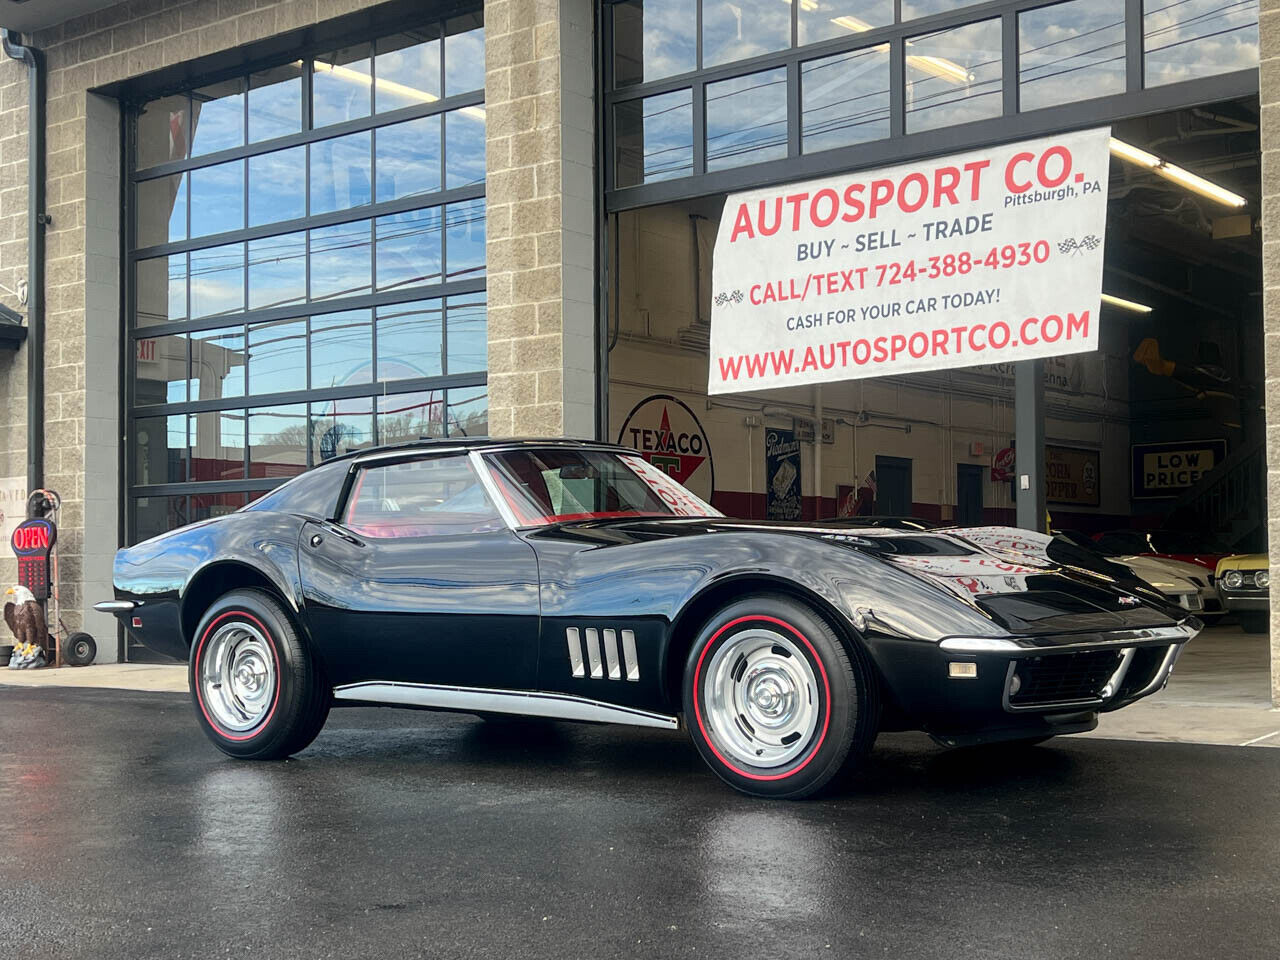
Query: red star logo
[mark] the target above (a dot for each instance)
(668, 458)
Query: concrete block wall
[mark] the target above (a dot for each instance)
(1269, 93)
(538, 100)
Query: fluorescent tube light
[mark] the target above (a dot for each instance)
(1125, 304)
(1200, 185)
(1176, 174)
(1127, 151)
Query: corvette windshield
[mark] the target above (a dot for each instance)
(551, 486)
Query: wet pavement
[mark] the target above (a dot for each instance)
(403, 834)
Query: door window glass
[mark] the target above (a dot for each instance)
(438, 496)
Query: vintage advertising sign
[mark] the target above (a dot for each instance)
(781, 475)
(667, 434)
(1166, 469)
(992, 256)
(1071, 476)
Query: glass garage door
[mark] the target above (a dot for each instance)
(306, 268)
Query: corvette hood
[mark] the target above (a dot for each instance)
(1005, 573)
(1014, 582)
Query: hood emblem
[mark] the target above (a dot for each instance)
(1129, 601)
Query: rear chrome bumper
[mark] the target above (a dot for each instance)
(115, 606)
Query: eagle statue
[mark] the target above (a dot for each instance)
(25, 616)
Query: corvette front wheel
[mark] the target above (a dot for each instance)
(258, 693)
(773, 700)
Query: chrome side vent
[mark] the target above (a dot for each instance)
(575, 651)
(629, 653)
(618, 662)
(593, 653)
(611, 654)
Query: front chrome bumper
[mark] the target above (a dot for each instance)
(1096, 672)
(1179, 633)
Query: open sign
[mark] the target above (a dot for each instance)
(33, 537)
(32, 542)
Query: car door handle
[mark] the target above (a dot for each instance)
(341, 534)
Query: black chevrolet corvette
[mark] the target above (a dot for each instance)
(576, 581)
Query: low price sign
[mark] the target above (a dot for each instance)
(985, 257)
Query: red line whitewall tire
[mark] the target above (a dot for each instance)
(774, 702)
(257, 692)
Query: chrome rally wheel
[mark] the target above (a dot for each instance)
(774, 700)
(259, 693)
(239, 682)
(761, 698)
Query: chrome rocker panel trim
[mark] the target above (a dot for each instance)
(532, 703)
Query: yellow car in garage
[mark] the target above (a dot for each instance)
(1244, 582)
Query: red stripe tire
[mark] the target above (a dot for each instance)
(774, 700)
(257, 692)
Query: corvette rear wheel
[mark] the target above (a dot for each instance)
(773, 700)
(258, 693)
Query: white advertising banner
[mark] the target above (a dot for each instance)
(985, 257)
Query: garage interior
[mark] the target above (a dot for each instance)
(1161, 429)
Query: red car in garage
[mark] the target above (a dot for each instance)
(1204, 550)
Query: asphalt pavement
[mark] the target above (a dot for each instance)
(124, 834)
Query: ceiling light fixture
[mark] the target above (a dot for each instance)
(1175, 174)
(1125, 304)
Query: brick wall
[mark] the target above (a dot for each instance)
(538, 101)
(1269, 82)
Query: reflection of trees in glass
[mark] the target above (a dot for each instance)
(335, 438)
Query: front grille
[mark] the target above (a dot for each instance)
(1062, 677)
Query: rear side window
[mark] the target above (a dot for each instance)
(432, 497)
(313, 494)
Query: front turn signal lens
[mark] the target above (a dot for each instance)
(962, 671)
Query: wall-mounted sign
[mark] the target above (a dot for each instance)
(1002, 465)
(1071, 476)
(991, 256)
(666, 433)
(1166, 469)
(13, 504)
(781, 475)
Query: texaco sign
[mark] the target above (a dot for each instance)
(668, 435)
